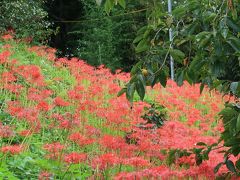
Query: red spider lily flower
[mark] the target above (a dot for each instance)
(106, 160)
(136, 162)
(76, 93)
(5, 131)
(31, 73)
(112, 142)
(44, 175)
(14, 107)
(75, 158)
(14, 149)
(161, 172)
(44, 51)
(54, 150)
(37, 95)
(44, 106)
(7, 77)
(53, 147)
(92, 131)
(46, 93)
(7, 37)
(25, 133)
(14, 88)
(4, 56)
(34, 94)
(60, 102)
(80, 139)
(190, 160)
(7, 46)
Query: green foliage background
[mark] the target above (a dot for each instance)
(27, 18)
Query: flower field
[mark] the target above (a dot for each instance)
(62, 119)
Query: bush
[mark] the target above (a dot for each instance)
(27, 18)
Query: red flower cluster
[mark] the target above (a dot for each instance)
(13, 149)
(106, 160)
(75, 158)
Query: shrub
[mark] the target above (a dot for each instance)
(26, 18)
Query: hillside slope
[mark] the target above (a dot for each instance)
(62, 119)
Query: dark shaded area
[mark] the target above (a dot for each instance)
(60, 11)
(84, 30)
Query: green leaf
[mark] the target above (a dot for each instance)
(130, 91)
(218, 167)
(234, 14)
(237, 164)
(136, 68)
(201, 144)
(233, 25)
(142, 46)
(233, 87)
(163, 78)
(138, 38)
(198, 159)
(121, 92)
(141, 79)
(140, 88)
(108, 6)
(122, 3)
(179, 11)
(177, 55)
(230, 166)
(234, 43)
(205, 41)
(99, 2)
(180, 76)
(238, 123)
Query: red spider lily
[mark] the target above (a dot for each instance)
(161, 172)
(53, 147)
(5, 131)
(14, 149)
(69, 124)
(190, 160)
(4, 56)
(44, 106)
(7, 46)
(44, 51)
(104, 161)
(76, 93)
(60, 102)
(54, 150)
(75, 158)
(13, 88)
(7, 77)
(111, 142)
(37, 95)
(80, 139)
(7, 37)
(92, 131)
(31, 73)
(25, 133)
(44, 175)
(14, 107)
(136, 162)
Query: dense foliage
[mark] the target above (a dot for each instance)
(26, 17)
(206, 49)
(86, 31)
(101, 39)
